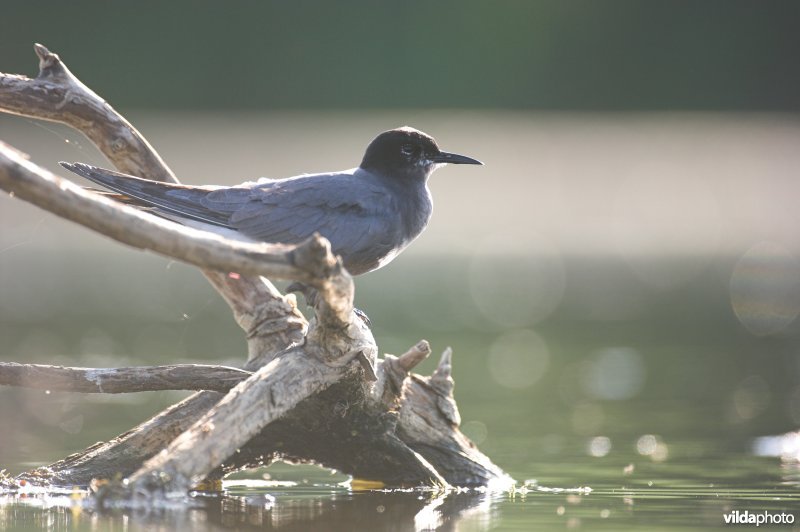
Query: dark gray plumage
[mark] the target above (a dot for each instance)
(369, 213)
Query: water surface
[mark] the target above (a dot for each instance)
(620, 292)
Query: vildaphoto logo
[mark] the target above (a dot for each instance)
(757, 518)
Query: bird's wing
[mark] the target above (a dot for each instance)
(348, 210)
(181, 200)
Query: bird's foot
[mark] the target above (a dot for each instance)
(309, 293)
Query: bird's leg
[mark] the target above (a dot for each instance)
(309, 293)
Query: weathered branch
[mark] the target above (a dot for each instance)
(121, 380)
(58, 96)
(264, 397)
(270, 321)
(395, 370)
(312, 263)
(428, 423)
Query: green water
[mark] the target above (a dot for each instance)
(640, 417)
(685, 492)
(620, 292)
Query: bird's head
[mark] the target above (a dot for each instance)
(408, 153)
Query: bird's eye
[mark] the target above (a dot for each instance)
(407, 149)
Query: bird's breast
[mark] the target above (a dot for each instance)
(416, 212)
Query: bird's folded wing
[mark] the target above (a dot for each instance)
(347, 211)
(179, 200)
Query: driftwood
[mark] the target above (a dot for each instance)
(309, 392)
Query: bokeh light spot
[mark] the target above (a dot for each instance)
(614, 373)
(599, 446)
(646, 444)
(652, 446)
(751, 398)
(517, 359)
(765, 288)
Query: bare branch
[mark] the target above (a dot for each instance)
(121, 380)
(414, 356)
(58, 96)
(271, 321)
(393, 373)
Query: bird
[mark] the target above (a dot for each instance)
(369, 213)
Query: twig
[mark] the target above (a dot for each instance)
(121, 380)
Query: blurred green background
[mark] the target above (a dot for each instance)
(625, 266)
(554, 54)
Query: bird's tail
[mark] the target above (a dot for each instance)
(169, 198)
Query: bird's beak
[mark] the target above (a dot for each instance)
(453, 158)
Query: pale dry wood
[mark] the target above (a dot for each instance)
(58, 96)
(393, 372)
(270, 321)
(428, 423)
(264, 397)
(121, 380)
(126, 453)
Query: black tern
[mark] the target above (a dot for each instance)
(369, 213)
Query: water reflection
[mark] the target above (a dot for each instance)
(320, 507)
(682, 494)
